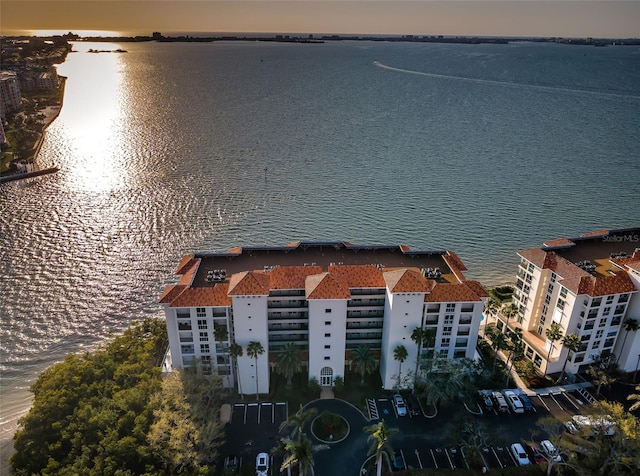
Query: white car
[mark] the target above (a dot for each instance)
(520, 454)
(401, 407)
(514, 401)
(550, 450)
(500, 402)
(262, 464)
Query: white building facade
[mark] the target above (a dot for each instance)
(327, 299)
(589, 286)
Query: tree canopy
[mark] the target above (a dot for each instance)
(94, 412)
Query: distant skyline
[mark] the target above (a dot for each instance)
(577, 18)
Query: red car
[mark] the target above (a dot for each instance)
(534, 454)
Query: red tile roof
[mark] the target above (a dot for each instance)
(291, 277)
(326, 286)
(558, 242)
(406, 281)
(249, 283)
(635, 265)
(185, 263)
(604, 232)
(203, 297)
(189, 272)
(451, 292)
(359, 276)
(170, 293)
(477, 288)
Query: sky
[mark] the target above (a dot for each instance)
(573, 18)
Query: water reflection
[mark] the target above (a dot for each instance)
(94, 138)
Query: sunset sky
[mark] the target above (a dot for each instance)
(574, 18)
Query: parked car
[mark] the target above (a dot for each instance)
(415, 406)
(499, 402)
(550, 450)
(398, 462)
(262, 464)
(519, 454)
(231, 464)
(401, 407)
(571, 427)
(485, 398)
(534, 454)
(513, 401)
(527, 403)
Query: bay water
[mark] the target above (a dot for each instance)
(173, 148)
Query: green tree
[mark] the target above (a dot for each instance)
(299, 452)
(553, 334)
(516, 348)
(509, 311)
(235, 351)
(636, 397)
(91, 412)
(418, 335)
(572, 343)
(498, 342)
(379, 436)
(400, 354)
(629, 325)
(600, 378)
(492, 305)
(254, 350)
(475, 436)
(288, 363)
(220, 333)
(296, 422)
(363, 361)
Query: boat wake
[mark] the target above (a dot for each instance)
(504, 83)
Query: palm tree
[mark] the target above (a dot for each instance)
(297, 421)
(636, 397)
(220, 333)
(300, 452)
(492, 305)
(288, 363)
(255, 349)
(516, 348)
(400, 354)
(509, 311)
(554, 334)
(572, 343)
(379, 436)
(363, 361)
(235, 351)
(498, 342)
(600, 377)
(630, 325)
(418, 335)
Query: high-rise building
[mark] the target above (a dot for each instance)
(327, 299)
(10, 98)
(588, 285)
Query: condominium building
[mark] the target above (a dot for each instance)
(10, 98)
(589, 286)
(327, 299)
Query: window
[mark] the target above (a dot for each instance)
(448, 319)
(204, 337)
(585, 337)
(619, 309)
(201, 312)
(563, 291)
(609, 299)
(606, 311)
(547, 299)
(328, 334)
(550, 289)
(327, 323)
(445, 342)
(599, 333)
(451, 307)
(554, 276)
(589, 325)
(596, 302)
(327, 310)
(602, 322)
(623, 298)
(444, 353)
(578, 358)
(530, 268)
(204, 348)
(560, 304)
(529, 352)
(327, 346)
(596, 344)
(202, 323)
(446, 331)
(326, 357)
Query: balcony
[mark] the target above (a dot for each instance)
(365, 303)
(184, 326)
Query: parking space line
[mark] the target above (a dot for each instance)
(434, 458)
(541, 400)
(496, 455)
(568, 397)
(419, 460)
(449, 458)
(554, 399)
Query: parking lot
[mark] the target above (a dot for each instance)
(421, 442)
(253, 429)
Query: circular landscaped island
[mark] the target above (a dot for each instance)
(330, 427)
